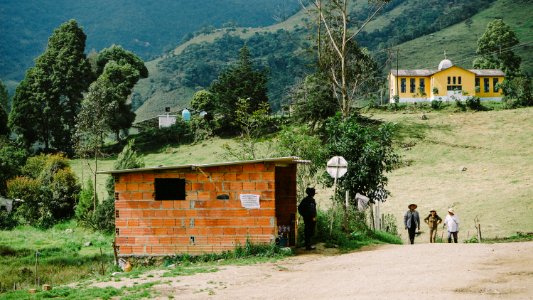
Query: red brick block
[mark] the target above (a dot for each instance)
(138, 250)
(120, 223)
(204, 195)
(150, 177)
(235, 168)
(133, 222)
(229, 231)
(165, 240)
(214, 204)
(259, 167)
(267, 203)
(267, 195)
(254, 176)
(268, 176)
(156, 222)
(146, 187)
(261, 186)
(169, 222)
(148, 213)
(235, 186)
(125, 250)
(120, 187)
(167, 204)
(143, 204)
(191, 177)
(135, 178)
(148, 196)
(240, 176)
(248, 186)
(248, 168)
(215, 231)
(197, 186)
(136, 196)
(179, 231)
(230, 177)
(156, 204)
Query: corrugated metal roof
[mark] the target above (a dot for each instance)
(417, 72)
(487, 72)
(290, 159)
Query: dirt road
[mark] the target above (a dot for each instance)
(436, 271)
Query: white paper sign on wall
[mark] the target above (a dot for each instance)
(250, 201)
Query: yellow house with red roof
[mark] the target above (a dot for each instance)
(448, 82)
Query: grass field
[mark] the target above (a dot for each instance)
(495, 149)
(63, 256)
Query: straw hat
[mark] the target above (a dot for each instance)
(432, 210)
(451, 210)
(412, 204)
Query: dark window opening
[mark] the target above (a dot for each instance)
(169, 189)
(116, 196)
(477, 85)
(403, 85)
(412, 86)
(117, 215)
(494, 85)
(455, 88)
(486, 88)
(449, 80)
(117, 231)
(422, 85)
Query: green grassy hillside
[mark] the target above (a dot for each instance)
(460, 41)
(494, 147)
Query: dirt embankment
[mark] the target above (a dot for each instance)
(437, 271)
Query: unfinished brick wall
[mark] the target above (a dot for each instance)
(201, 223)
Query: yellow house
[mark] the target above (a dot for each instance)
(448, 82)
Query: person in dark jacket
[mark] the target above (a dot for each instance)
(411, 220)
(307, 210)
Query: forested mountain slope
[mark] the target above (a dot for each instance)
(281, 48)
(147, 28)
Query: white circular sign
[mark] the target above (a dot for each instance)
(337, 166)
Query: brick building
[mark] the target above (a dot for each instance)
(206, 208)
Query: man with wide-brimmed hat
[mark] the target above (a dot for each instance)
(411, 219)
(452, 222)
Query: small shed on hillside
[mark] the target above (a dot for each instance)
(204, 208)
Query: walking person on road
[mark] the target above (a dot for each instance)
(452, 222)
(433, 221)
(307, 210)
(411, 219)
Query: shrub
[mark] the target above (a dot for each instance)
(84, 208)
(49, 190)
(474, 103)
(7, 220)
(436, 104)
(103, 218)
(12, 158)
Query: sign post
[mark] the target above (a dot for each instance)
(337, 166)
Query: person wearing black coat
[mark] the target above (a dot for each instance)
(307, 210)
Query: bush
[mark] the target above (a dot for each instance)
(7, 220)
(49, 190)
(436, 104)
(12, 158)
(153, 137)
(474, 103)
(84, 208)
(103, 218)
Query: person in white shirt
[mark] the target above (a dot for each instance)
(452, 222)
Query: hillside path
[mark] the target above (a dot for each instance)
(437, 271)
